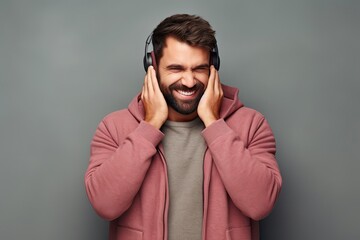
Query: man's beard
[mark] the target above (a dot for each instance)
(184, 107)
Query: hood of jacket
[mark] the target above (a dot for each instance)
(230, 103)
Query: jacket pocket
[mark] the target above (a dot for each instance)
(238, 233)
(126, 233)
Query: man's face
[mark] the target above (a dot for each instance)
(183, 74)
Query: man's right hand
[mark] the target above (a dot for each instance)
(156, 109)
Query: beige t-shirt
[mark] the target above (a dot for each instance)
(184, 149)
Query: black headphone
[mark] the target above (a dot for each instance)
(149, 57)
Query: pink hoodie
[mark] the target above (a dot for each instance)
(126, 180)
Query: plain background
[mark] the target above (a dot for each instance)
(64, 65)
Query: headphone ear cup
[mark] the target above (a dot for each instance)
(147, 61)
(215, 60)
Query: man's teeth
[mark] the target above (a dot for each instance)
(186, 93)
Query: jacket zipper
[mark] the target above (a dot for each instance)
(166, 207)
(206, 183)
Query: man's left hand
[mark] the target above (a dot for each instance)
(209, 105)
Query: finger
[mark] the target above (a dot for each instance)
(154, 80)
(217, 84)
(211, 78)
(145, 83)
(142, 92)
(149, 84)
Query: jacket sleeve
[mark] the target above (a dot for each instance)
(249, 171)
(116, 171)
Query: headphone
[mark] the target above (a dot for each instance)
(149, 57)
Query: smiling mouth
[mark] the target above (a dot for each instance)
(186, 93)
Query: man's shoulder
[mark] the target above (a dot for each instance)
(245, 118)
(118, 123)
(119, 117)
(248, 112)
(121, 113)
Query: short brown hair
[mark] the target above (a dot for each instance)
(190, 29)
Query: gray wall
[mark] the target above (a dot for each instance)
(65, 64)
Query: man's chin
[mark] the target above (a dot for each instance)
(185, 108)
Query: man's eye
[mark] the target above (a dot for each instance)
(175, 69)
(202, 70)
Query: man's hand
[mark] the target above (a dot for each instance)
(209, 105)
(156, 109)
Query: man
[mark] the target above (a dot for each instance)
(186, 160)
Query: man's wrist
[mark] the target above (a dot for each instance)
(155, 123)
(210, 120)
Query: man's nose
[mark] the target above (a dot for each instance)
(188, 79)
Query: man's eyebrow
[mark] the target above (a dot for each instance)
(178, 66)
(175, 66)
(202, 66)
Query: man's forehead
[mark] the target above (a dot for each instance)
(179, 52)
(172, 41)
